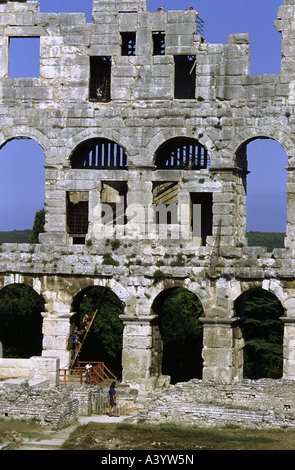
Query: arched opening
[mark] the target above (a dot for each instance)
(184, 208)
(22, 188)
(262, 332)
(105, 336)
(99, 154)
(182, 153)
(21, 321)
(265, 185)
(181, 333)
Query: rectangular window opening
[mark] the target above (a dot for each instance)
(77, 214)
(114, 203)
(24, 57)
(128, 43)
(185, 77)
(158, 43)
(201, 216)
(165, 201)
(100, 78)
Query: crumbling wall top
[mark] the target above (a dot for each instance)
(118, 6)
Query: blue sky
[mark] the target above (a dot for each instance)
(22, 190)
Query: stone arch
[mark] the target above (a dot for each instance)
(167, 134)
(201, 292)
(104, 328)
(273, 286)
(88, 134)
(21, 308)
(177, 334)
(248, 135)
(254, 180)
(260, 331)
(24, 132)
(22, 160)
(182, 153)
(82, 283)
(98, 153)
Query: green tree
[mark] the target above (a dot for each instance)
(104, 340)
(182, 335)
(21, 321)
(38, 226)
(263, 334)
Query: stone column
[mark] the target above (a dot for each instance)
(229, 207)
(55, 213)
(289, 348)
(137, 351)
(56, 337)
(290, 232)
(139, 202)
(219, 349)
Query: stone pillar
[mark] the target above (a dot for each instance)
(56, 337)
(137, 351)
(290, 232)
(55, 213)
(139, 202)
(229, 207)
(219, 349)
(289, 348)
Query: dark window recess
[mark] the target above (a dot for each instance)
(77, 213)
(158, 43)
(165, 200)
(185, 77)
(128, 43)
(100, 78)
(182, 152)
(99, 154)
(205, 200)
(114, 203)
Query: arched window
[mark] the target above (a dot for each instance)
(262, 331)
(21, 321)
(264, 162)
(22, 183)
(177, 335)
(105, 335)
(182, 153)
(100, 154)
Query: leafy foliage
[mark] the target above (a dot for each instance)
(21, 321)
(182, 335)
(270, 240)
(263, 334)
(104, 340)
(38, 227)
(15, 236)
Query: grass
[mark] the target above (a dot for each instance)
(95, 436)
(123, 436)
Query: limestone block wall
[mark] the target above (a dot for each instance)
(250, 404)
(31, 369)
(51, 407)
(228, 108)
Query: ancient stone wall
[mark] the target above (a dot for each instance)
(142, 113)
(250, 404)
(51, 407)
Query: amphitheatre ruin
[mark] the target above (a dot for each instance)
(144, 127)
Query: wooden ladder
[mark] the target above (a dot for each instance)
(77, 352)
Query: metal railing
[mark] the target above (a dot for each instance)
(200, 26)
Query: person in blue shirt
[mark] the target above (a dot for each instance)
(113, 396)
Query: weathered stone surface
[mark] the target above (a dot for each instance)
(229, 109)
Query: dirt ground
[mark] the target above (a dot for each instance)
(116, 436)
